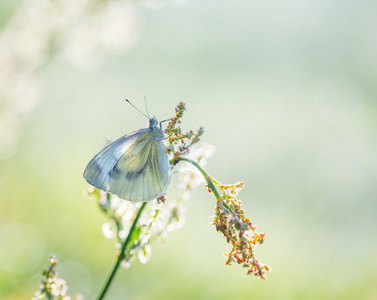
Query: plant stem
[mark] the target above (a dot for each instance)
(210, 182)
(121, 254)
(207, 177)
(211, 185)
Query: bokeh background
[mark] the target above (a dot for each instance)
(287, 93)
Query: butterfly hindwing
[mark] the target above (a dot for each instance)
(143, 171)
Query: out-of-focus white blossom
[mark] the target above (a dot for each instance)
(53, 287)
(157, 219)
(79, 31)
(109, 229)
(144, 254)
(189, 176)
(202, 153)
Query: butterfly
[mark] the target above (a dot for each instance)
(135, 167)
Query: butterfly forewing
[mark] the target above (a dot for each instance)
(135, 167)
(98, 170)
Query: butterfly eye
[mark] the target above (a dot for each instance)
(153, 122)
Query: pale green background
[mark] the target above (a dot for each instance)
(287, 93)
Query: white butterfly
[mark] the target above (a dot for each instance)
(135, 167)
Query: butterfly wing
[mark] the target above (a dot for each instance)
(98, 170)
(135, 167)
(143, 171)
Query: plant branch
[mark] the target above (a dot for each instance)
(212, 183)
(207, 177)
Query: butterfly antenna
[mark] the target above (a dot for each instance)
(138, 109)
(146, 106)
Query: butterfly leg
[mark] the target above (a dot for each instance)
(164, 121)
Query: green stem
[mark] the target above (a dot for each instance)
(209, 180)
(121, 254)
(207, 177)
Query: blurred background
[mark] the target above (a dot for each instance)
(287, 93)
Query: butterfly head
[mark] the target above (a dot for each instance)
(153, 122)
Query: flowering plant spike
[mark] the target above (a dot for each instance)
(230, 218)
(53, 287)
(135, 224)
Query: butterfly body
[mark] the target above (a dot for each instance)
(135, 167)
